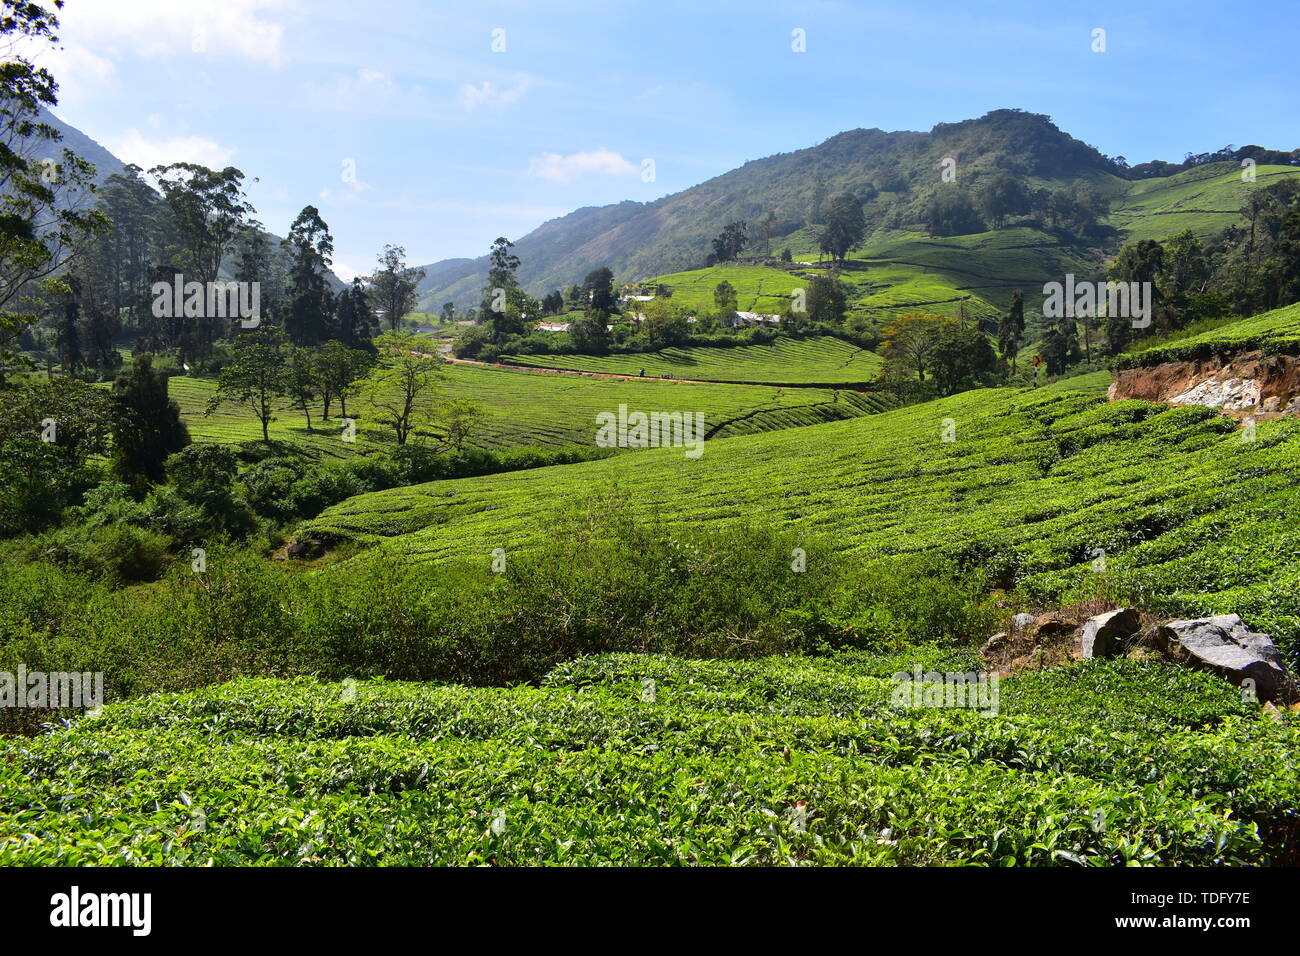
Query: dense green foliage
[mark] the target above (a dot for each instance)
(632, 759)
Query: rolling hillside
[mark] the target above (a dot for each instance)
(533, 409)
(822, 360)
(899, 171)
(1036, 481)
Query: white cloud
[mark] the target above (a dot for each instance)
(134, 147)
(566, 168)
(488, 93)
(164, 28)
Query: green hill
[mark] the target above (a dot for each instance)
(534, 409)
(1036, 482)
(896, 174)
(822, 360)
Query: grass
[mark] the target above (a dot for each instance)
(820, 360)
(631, 759)
(758, 288)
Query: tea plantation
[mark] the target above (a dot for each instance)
(1036, 486)
(534, 409)
(821, 360)
(628, 759)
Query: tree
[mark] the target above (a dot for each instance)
(724, 297)
(257, 376)
(599, 289)
(49, 431)
(45, 214)
(310, 304)
(728, 245)
(339, 369)
(502, 264)
(404, 385)
(462, 420)
(1012, 328)
(147, 424)
(826, 300)
(354, 320)
(206, 209)
(951, 213)
(1061, 345)
(552, 303)
(909, 341)
(393, 285)
(845, 226)
(448, 314)
(961, 355)
(1003, 196)
(665, 323)
(302, 381)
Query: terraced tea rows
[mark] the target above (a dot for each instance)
(820, 360)
(533, 409)
(1035, 486)
(1271, 332)
(629, 759)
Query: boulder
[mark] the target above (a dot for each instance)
(1226, 646)
(1021, 621)
(305, 549)
(1105, 634)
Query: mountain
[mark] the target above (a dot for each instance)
(641, 240)
(895, 174)
(106, 164)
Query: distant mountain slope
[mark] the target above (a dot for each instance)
(106, 164)
(898, 171)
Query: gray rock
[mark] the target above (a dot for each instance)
(1021, 621)
(1105, 634)
(1225, 645)
(306, 549)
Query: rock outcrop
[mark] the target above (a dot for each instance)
(1223, 645)
(1250, 384)
(1227, 647)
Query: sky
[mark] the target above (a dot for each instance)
(440, 126)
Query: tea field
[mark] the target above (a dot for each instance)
(632, 759)
(823, 360)
(1034, 488)
(521, 408)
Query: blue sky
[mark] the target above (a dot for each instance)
(453, 143)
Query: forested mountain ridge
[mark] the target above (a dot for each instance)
(896, 175)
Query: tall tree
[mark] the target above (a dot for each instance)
(257, 376)
(845, 226)
(1011, 329)
(310, 306)
(355, 321)
(404, 386)
(393, 285)
(45, 205)
(147, 424)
